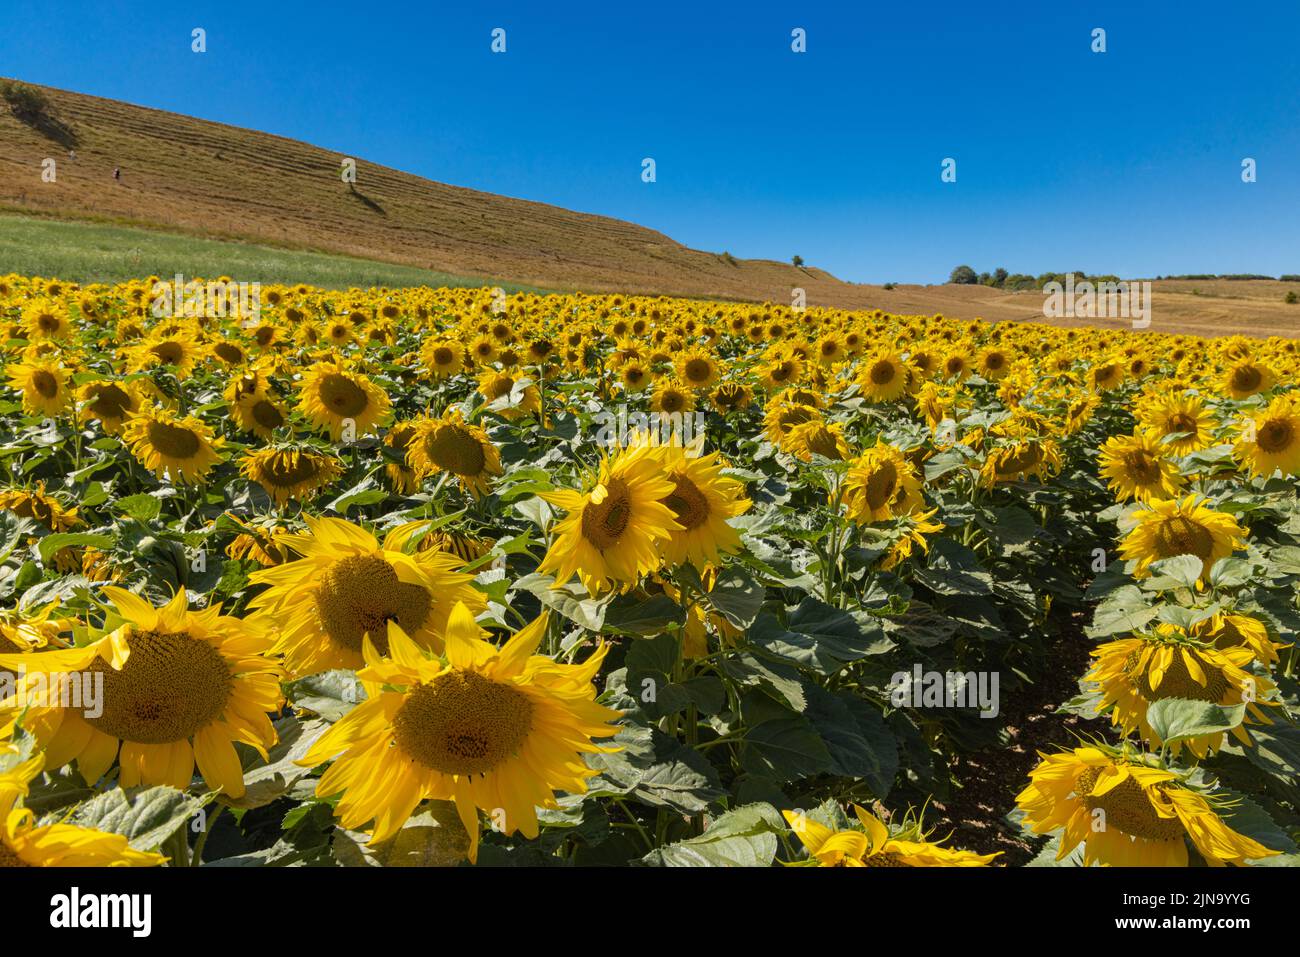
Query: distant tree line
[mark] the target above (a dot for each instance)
(1001, 279)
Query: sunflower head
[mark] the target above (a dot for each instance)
(1187, 526)
(290, 473)
(183, 449)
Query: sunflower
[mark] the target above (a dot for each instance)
(1182, 418)
(1137, 466)
(956, 365)
(1128, 811)
(874, 846)
(176, 353)
(45, 319)
(450, 444)
(1106, 375)
(1247, 378)
(256, 542)
(1020, 459)
(671, 398)
(36, 504)
(697, 369)
(109, 403)
(44, 385)
(884, 377)
(259, 413)
(781, 369)
(347, 585)
(782, 416)
(732, 396)
(993, 363)
(1187, 526)
(505, 398)
(442, 357)
(290, 473)
(1224, 631)
(701, 501)
(915, 528)
(1169, 663)
(616, 532)
(180, 687)
(816, 437)
(881, 484)
(1271, 441)
(492, 729)
(332, 395)
(24, 843)
(401, 476)
(182, 449)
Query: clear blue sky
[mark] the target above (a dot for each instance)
(1126, 162)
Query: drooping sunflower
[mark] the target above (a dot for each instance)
(498, 730)
(1135, 672)
(616, 532)
(1271, 440)
(333, 394)
(109, 403)
(183, 449)
(880, 485)
(816, 437)
(781, 416)
(1184, 418)
(1224, 631)
(732, 396)
(884, 377)
(701, 501)
(180, 687)
(875, 846)
(37, 504)
(1187, 526)
(1128, 811)
(403, 478)
(259, 413)
(290, 473)
(1138, 467)
(505, 399)
(448, 443)
(915, 528)
(1024, 457)
(347, 585)
(24, 843)
(43, 384)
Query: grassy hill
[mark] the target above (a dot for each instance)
(206, 198)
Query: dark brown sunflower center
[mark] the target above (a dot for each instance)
(285, 471)
(171, 686)
(463, 723)
(1142, 468)
(1182, 422)
(9, 857)
(360, 594)
(455, 449)
(604, 522)
(1277, 435)
(1177, 681)
(1127, 809)
(442, 356)
(170, 353)
(887, 859)
(266, 414)
(111, 402)
(1246, 379)
(883, 373)
(173, 441)
(1182, 536)
(229, 352)
(880, 485)
(698, 370)
(672, 401)
(45, 383)
(688, 504)
(342, 395)
(821, 441)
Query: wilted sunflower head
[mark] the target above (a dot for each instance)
(1187, 526)
(36, 504)
(290, 473)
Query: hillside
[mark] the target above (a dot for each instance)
(182, 175)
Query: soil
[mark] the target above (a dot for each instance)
(987, 781)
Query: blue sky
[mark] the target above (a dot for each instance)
(1126, 162)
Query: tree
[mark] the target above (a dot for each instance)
(797, 260)
(999, 277)
(963, 276)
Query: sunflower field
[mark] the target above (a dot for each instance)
(447, 577)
